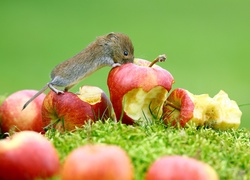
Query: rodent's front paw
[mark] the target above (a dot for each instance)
(115, 65)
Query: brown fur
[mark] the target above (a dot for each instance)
(109, 50)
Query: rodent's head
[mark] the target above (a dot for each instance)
(122, 48)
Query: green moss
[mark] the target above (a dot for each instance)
(226, 151)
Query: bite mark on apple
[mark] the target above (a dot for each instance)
(139, 103)
(91, 95)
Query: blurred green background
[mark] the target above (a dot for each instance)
(207, 42)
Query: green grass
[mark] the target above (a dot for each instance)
(226, 151)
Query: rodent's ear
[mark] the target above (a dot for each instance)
(112, 36)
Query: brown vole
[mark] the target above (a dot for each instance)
(112, 49)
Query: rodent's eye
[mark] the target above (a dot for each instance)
(125, 53)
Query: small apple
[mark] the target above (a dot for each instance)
(28, 155)
(13, 118)
(180, 168)
(104, 162)
(138, 90)
(67, 111)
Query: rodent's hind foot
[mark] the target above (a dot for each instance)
(57, 91)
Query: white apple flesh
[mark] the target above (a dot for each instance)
(223, 113)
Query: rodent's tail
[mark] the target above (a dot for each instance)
(34, 97)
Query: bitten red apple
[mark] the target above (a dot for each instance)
(106, 162)
(219, 112)
(183, 107)
(13, 118)
(180, 168)
(67, 111)
(28, 155)
(138, 91)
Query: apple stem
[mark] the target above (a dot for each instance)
(168, 103)
(160, 58)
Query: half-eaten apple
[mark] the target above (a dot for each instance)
(138, 90)
(68, 110)
(219, 112)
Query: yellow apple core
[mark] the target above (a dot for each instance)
(139, 104)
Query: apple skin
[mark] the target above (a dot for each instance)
(28, 155)
(180, 168)
(13, 118)
(67, 111)
(134, 87)
(108, 162)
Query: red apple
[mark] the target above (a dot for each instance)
(138, 91)
(28, 155)
(104, 162)
(180, 168)
(67, 111)
(13, 118)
